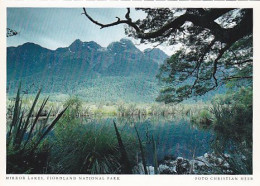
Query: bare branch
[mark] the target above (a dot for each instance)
(100, 24)
(215, 64)
(128, 21)
(127, 16)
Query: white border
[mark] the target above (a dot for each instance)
(133, 179)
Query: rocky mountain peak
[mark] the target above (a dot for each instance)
(78, 45)
(156, 54)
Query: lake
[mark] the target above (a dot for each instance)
(174, 137)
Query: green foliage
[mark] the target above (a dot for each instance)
(89, 149)
(136, 88)
(75, 107)
(184, 75)
(155, 158)
(232, 125)
(211, 53)
(142, 151)
(128, 109)
(203, 118)
(240, 160)
(86, 151)
(233, 116)
(26, 152)
(126, 166)
(230, 118)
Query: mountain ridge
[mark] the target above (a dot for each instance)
(76, 67)
(119, 58)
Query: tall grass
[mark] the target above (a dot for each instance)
(155, 159)
(85, 150)
(90, 148)
(126, 166)
(142, 151)
(25, 134)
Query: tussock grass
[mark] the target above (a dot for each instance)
(25, 134)
(91, 148)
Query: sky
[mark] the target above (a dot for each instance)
(59, 27)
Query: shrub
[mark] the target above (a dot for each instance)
(203, 119)
(233, 114)
(75, 108)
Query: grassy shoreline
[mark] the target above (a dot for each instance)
(72, 141)
(115, 108)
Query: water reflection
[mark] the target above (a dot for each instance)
(174, 137)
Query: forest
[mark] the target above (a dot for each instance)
(90, 109)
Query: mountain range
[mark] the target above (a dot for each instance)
(119, 71)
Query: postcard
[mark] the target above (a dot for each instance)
(129, 92)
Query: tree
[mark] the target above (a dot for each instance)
(10, 32)
(216, 47)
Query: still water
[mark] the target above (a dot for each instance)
(174, 137)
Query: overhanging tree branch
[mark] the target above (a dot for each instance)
(128, 21)
(206, 21)
(215, 64)
(195, 68)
